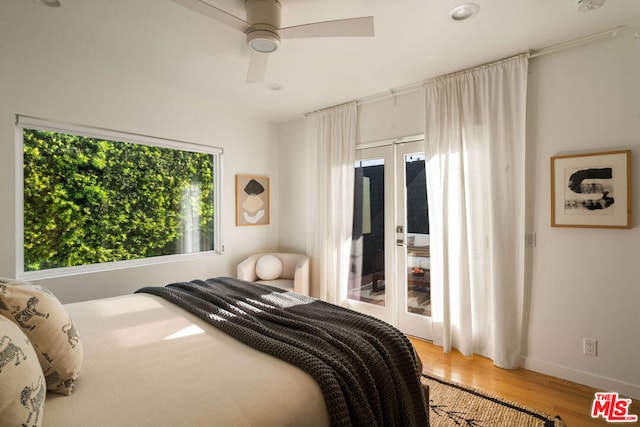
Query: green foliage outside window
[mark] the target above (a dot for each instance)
(89, 201)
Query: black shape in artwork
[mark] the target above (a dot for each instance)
(576, 178)
(578, 185)
(253, 187)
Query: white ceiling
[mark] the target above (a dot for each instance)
(172, 47)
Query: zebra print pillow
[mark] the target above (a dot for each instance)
(22, 386)
(51, 331)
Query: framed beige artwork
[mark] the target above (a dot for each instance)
(252, 200)
(591, 190)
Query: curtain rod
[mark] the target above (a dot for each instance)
(534, 53)
(329, 108)
(576, 42)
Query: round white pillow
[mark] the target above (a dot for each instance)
(268, 267)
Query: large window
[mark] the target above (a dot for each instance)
(93, 199)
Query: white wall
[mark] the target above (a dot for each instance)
(584, 282)
(45, 87)
(294, 192)
(392, 117)
(580, 282)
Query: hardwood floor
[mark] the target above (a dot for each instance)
(554, 396)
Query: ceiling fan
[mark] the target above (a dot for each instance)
(262, 27)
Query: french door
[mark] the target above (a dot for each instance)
(390, 257)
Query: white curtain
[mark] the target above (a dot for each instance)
(475, 145)
(333, 135)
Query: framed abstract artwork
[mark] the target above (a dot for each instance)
(252, 200)
(591, 190)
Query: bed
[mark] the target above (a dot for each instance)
(149, 362)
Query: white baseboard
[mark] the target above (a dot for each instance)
(581, 377)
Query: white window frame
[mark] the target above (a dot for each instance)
(26, 122)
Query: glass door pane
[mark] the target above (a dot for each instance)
(367, 275)
(414, 255)
(418, 279)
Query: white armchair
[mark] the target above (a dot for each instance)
(294, 276)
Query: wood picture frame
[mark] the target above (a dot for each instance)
(591, 190)
(252, 200)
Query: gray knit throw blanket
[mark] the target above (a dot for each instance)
(366, 369)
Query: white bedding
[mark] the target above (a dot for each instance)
(147, 362)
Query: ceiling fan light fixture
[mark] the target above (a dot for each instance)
(263, 31)
(464, 11)
(263, 41)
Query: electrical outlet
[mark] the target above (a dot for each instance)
(590, 346)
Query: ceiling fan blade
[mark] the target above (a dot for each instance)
(257, 67)
(351, 27)
(211, 11)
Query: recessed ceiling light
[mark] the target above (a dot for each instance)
(50, 3)
(587, 5)
(464, 11)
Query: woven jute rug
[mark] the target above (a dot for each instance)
(455, 405)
